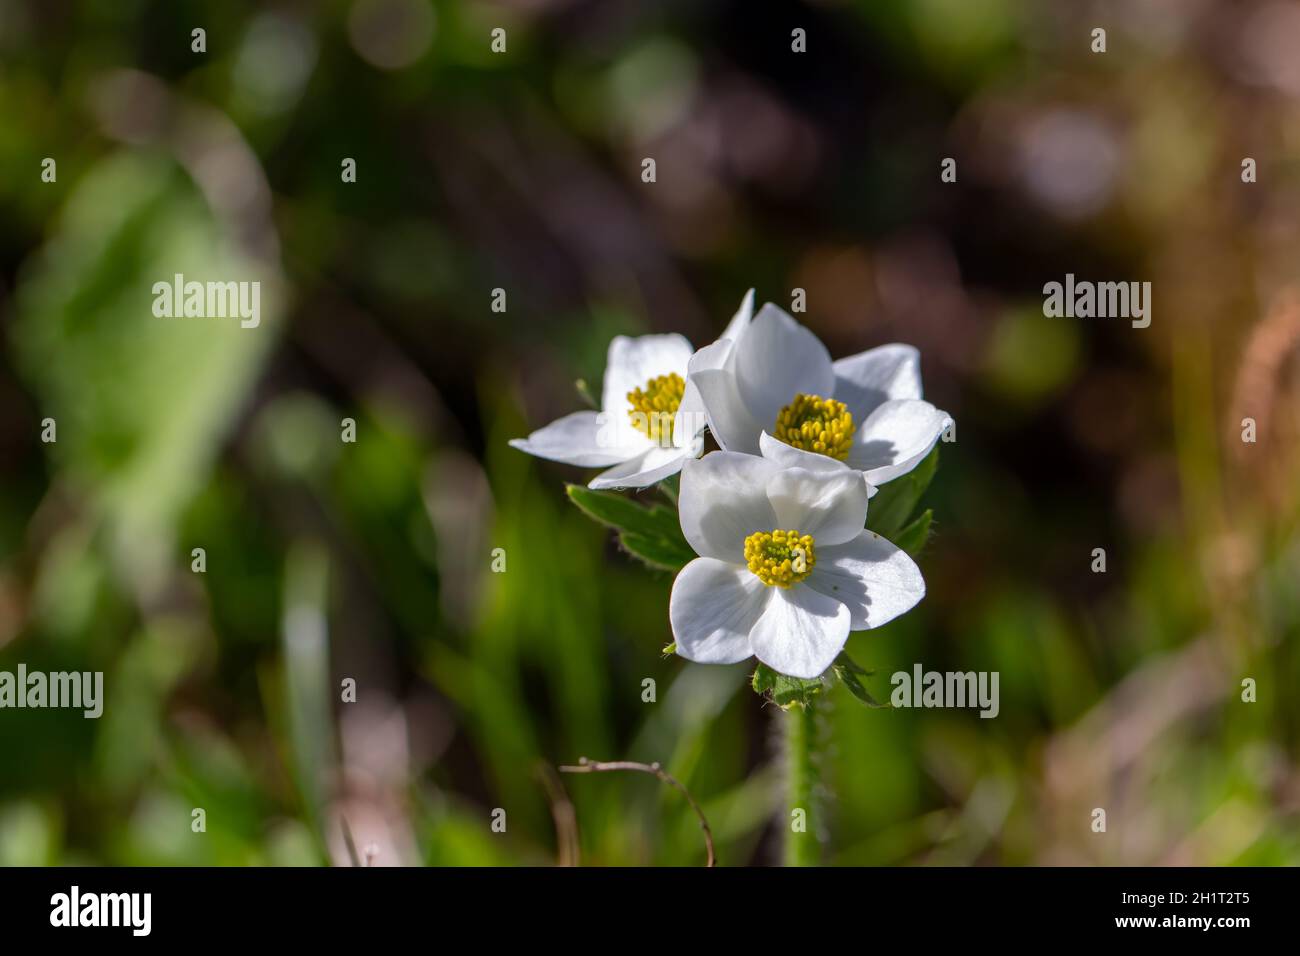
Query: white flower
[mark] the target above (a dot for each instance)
(769, 387)
(640, 429)
(786, 568)
(714, 355)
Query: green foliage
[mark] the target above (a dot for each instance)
(650, 532)
(174, 434)
(788, 692)
(849, 674)
(785, 691)
(893, 504)
(913, 537)
(142, 403)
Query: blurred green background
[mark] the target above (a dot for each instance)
(372, 560)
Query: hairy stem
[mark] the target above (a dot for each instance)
(802, 847)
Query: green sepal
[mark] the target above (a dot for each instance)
(913, 538)
(785, 691)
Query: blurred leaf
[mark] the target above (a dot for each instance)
(305, 635)
(649, 532)
(1055, 346)
(896, 500)
(29, 835)
(142, 403)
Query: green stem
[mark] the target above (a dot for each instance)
(801, 844)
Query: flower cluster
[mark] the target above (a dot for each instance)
(785, 567)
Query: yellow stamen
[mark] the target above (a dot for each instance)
(817, 424)
(780, 558)
(655, 406)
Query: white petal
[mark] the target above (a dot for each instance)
(729, 420)
(713, 355)
(865, 380)
(692, 416)
(801, 631)
(582, 438)
(631, 363)
(723, 501)
(713, 607)
(877, 580)
(830, 506)
(787, 456)
(895, 437)
(739, 323)
(654, 465)
(634, 361)
(775, 360)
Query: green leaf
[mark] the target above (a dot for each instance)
(912, 538)
(850, 664)
(656, 552)
(850, 680)
(144, 406)
(620, 512)
(650, 532)
(848, 671)
(896, 500)
(785, 691)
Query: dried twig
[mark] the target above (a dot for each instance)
(600, 766)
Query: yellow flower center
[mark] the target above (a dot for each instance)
(780, 558)
(655, 406)
(817, 424)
